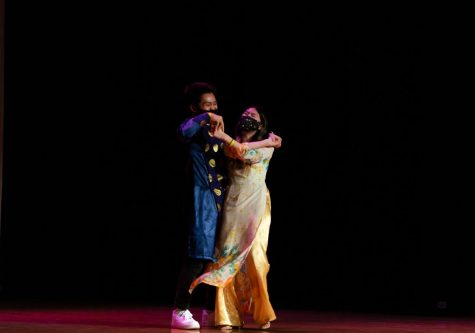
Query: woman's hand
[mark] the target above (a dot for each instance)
(218, 132)
(275, 139)
(216, 121)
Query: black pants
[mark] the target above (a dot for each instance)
(190, 270)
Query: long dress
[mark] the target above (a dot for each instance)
(240, 272)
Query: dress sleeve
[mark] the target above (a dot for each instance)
(248, 155)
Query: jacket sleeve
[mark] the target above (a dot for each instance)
(191, 126)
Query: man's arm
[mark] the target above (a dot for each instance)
(191, 126)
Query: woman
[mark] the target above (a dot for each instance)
(240, 272)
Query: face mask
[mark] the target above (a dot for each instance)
(248, 124)
(200, 111)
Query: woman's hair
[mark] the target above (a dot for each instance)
(261, 133)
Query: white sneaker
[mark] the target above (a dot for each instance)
(207, 318)
(183, 319)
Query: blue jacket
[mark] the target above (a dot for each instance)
(207, 164)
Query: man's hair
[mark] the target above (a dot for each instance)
(194, 90)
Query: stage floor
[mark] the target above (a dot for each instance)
(129, 319)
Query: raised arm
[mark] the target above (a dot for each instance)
(276, 139)
(191, 126)
(248, 151)
(272, 141)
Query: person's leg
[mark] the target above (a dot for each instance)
(181, 316)
(227, 314)
(207, 315)
(257, 268)
(190, 270)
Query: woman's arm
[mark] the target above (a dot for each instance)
(248, 152)
(272, 141)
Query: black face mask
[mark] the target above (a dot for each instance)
(200, 111)
(248, 124)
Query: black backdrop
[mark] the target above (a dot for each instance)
(365, 199)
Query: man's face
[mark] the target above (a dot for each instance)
(208, 103)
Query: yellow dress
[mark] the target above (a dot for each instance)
(240, 272)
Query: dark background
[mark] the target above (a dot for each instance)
(366, 189)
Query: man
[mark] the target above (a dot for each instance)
(207, 173)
